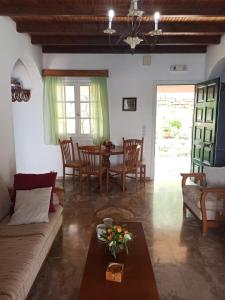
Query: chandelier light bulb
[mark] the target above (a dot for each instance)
(156, 16)
(111, 14)
(109, 30)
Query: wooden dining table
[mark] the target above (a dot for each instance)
(107, 152)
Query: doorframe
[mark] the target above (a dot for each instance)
(154, 106)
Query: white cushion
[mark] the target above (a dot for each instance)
(215, 176)
(214, 204)
(31, 206)
(4, 200)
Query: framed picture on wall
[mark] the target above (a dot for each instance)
(129, 104)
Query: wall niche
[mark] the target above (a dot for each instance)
(20, 83)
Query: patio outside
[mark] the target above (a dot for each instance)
(173, 130)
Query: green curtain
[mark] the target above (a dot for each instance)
(99, 110)
(53, 92)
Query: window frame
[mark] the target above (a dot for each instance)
(77, 83)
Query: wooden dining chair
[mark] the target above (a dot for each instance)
(141, 163)
(91, 156)
(129, 165)
(68, 158)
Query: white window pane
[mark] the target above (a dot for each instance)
(70, 123)
(84, 93)
(85, 110)
(70, 110)
(85, 126)
(60, 110)
(61, 126)
(69, 93)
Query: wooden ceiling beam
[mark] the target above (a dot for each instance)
(90, 7)
(95, 28)
(124, 49)
(75, 73)
(104, 40)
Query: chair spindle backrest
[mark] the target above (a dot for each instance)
(67, 150)
(136, 142)
(131, 155)
(91, 157)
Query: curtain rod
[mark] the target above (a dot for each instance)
(76, 73)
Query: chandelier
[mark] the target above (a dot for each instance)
(134, 36)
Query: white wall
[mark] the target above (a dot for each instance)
(13, 46)
(32, 155)
(129, 78)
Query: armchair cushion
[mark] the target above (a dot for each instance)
(191, 196)
(215, 176)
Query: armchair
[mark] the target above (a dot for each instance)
(205, 203)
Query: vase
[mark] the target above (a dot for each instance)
(116, 251)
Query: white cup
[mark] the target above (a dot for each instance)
(108, 221)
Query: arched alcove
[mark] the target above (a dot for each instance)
(21, 73)
(218, 70)
(32, 155)
(27, 116)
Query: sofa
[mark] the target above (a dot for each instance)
(205, 200)
(23, 249)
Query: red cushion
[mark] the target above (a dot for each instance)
(35, 181)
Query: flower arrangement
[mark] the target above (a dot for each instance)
(116, 238)
(108, 145)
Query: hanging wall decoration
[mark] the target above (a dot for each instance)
(129, 104)
(18, 92)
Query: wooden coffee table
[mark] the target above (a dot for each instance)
(138, 279)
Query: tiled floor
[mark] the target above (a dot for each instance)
(186, 264)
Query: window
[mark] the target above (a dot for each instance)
(78, 107)
(73, 108)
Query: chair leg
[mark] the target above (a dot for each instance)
(204, 215)
(100, 183)
(123, 181)
(73, 174)
(140, 174)
(204, 227)
(144, 174)
(81, 182)
(107, 180)
(64, 176)
(136, 179)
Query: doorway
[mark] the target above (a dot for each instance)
(174, 117)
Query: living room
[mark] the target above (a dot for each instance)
(23, 150)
